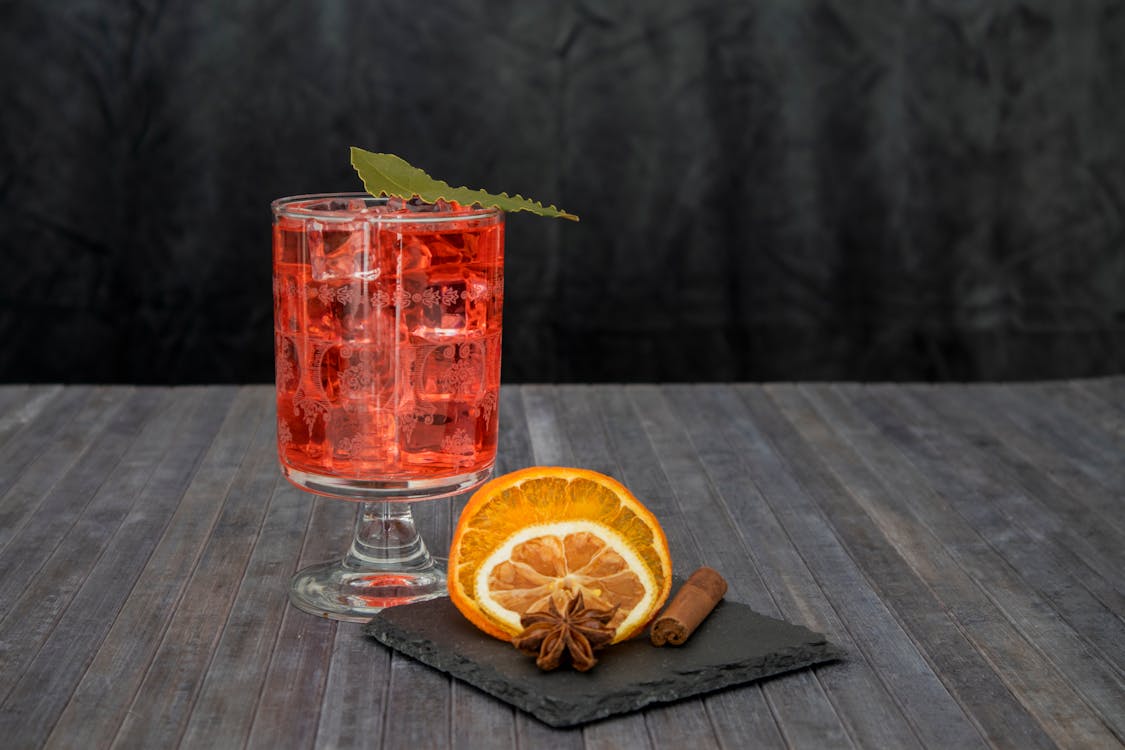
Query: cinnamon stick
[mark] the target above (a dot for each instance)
(689, 607)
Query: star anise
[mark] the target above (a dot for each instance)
(578, 630)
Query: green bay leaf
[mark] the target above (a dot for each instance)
(387, 174)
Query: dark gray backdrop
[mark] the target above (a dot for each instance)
(776, 189)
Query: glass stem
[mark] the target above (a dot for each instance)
(386, 540)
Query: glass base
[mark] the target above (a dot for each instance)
(341, 593)
(387, 564)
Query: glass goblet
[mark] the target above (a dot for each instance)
(387, 320)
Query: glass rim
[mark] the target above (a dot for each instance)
(285, 207)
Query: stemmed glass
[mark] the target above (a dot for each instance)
(387, 319)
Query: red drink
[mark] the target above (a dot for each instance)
(387, 319)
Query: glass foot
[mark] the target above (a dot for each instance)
(388, 564)
(335, 591)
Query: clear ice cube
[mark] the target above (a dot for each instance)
(442, 250)
(343, 253)
(416, 255)
(452, 302)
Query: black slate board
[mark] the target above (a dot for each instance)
(734, 645)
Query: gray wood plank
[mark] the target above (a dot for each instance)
(417, 711)
(1081, 440)
(581, 422)
(1039, 687)
(12, 395)
(44, 690)
(20, 406)
(355, 693)
(98, 705)
(514, 448)
(293, 688)
(967, 675)
(1109, 391)
(813, 580)
(233, 686)
(1034, 435)
(549, 443)
(25, 431)
(964, 558)
(1085, 406)
(29, 486)
(803, 712)
(30, 428)
(51, 497)
(43, 567)
(881, 722)
(608, 734)
(1047, 510)
(967, 479)
(478, 721)
(261, 516)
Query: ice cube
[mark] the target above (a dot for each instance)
(390, 205)
(395, 252)
(415, 256)
(444, 251)
(314, 246)
(454, 301)
(343, 254)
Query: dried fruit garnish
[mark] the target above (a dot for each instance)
(578, 630)
(531, 534)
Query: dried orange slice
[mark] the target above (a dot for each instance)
(551, 532)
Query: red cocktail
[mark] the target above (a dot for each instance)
(387, 319)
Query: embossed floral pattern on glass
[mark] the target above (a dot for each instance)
(388, 343)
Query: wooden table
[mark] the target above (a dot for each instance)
(965, 544)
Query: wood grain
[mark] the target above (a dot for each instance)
(964, 544)
(100, 701)
(967, 675)
(1023, 670)
(814, 581)
(257, 506)
(129, 539)
(1002, 517)
(36, 588)
(962, 556)
(1048, 511)
(27, 483)
(20, 405)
